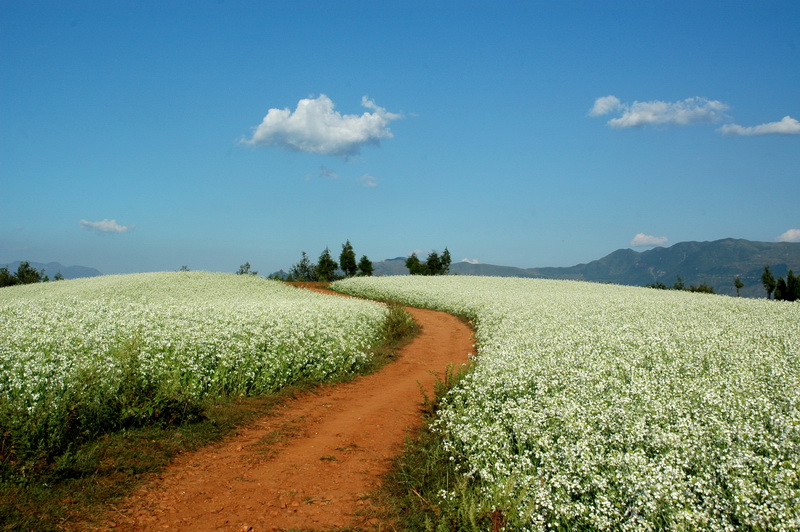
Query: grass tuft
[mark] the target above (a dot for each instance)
(412, 495)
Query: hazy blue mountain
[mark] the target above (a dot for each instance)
(52, 268)
(714, 263)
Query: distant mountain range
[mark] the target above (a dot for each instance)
(52, 268)
(715, 263)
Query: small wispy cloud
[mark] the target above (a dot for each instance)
(327, 172)
(367, 181)
(470, 261)
(642, 240)
(792, 235)
(681, 113)
(315, 127)
(786, 126)
(105, 226)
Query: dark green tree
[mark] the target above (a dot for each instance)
(792, 286)
(780, 289)
(738, 284)
(304, 271)
(703, 288)
(445, 261)
(27, 274)
(326, 267)
(6, 278)
(244, 269)
(58, 277)
(414, 265)
(679, 285)
(768, 280)
(435, 264)
(347, 260)
(365, 267)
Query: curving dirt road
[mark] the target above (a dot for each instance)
(333, 446)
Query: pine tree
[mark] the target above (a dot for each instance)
(347, 260)
(326, 267)
(433, 265)
(792, 287)
(768, 280)
(446, 262)
(365, 267)
(303, 271)
(413, 264)
(780, 289)
(244, 269)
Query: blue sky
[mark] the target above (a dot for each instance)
(144, 136)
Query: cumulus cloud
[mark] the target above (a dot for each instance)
(367, 181)
(792, 235)
(641, 240)
(681, 113)
(105, 226)
(787, 126)
(470, 261)
(315, 127)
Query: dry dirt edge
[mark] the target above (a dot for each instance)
(313, 463)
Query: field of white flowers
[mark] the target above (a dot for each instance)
(607, 407)
(83, 356)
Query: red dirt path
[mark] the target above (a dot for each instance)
(334, 444)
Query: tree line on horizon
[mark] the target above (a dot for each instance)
(25, 274)
(781, 289)
(435, 264)
(326, 268)
(702, 288)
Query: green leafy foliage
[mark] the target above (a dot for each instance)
(244, 269)
(433, 265)
(25, 274)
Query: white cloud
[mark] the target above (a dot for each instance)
(641, 240)
(470, 261)
(792, 235)
(105, 226)
(681, 113)
(315, 127)
(368, 181)
(605, 105)
(787, 126)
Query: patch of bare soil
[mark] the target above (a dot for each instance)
(313, 464)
